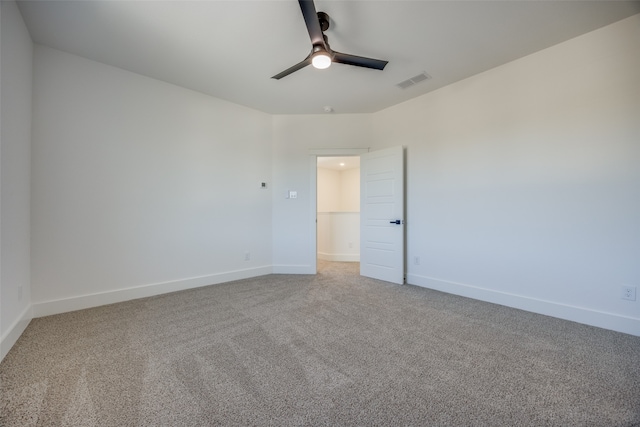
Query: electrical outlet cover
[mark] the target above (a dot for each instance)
(629, 293)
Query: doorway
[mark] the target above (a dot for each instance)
(313, 180)
(382, 230)
(338, 209)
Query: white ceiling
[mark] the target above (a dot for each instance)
(230, 49)
(339, 163)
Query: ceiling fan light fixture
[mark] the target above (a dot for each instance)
(321, 59)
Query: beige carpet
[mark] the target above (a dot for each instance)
(334, 349)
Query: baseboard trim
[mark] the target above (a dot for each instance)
(15, 330)
(64, 305)
(611, 321)
(293, 269)
(339, 257)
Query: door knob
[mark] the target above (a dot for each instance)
(397, 221)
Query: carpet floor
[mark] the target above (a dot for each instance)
(333, 349)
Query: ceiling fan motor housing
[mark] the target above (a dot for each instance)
(324, 21)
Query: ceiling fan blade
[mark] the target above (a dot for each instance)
(359, 61)
(293, 69)
(313, 23)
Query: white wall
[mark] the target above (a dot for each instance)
(328, 190)
(293, 138)
(141, 187)
(339, 236)
(338, 190)
(350, 190)
(524, 181)
(16, 65)
(338, 232)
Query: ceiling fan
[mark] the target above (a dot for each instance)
(321, 55)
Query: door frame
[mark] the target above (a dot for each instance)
(313, 193)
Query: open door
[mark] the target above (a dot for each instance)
(382, 215)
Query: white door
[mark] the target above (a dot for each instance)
(382, 215)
